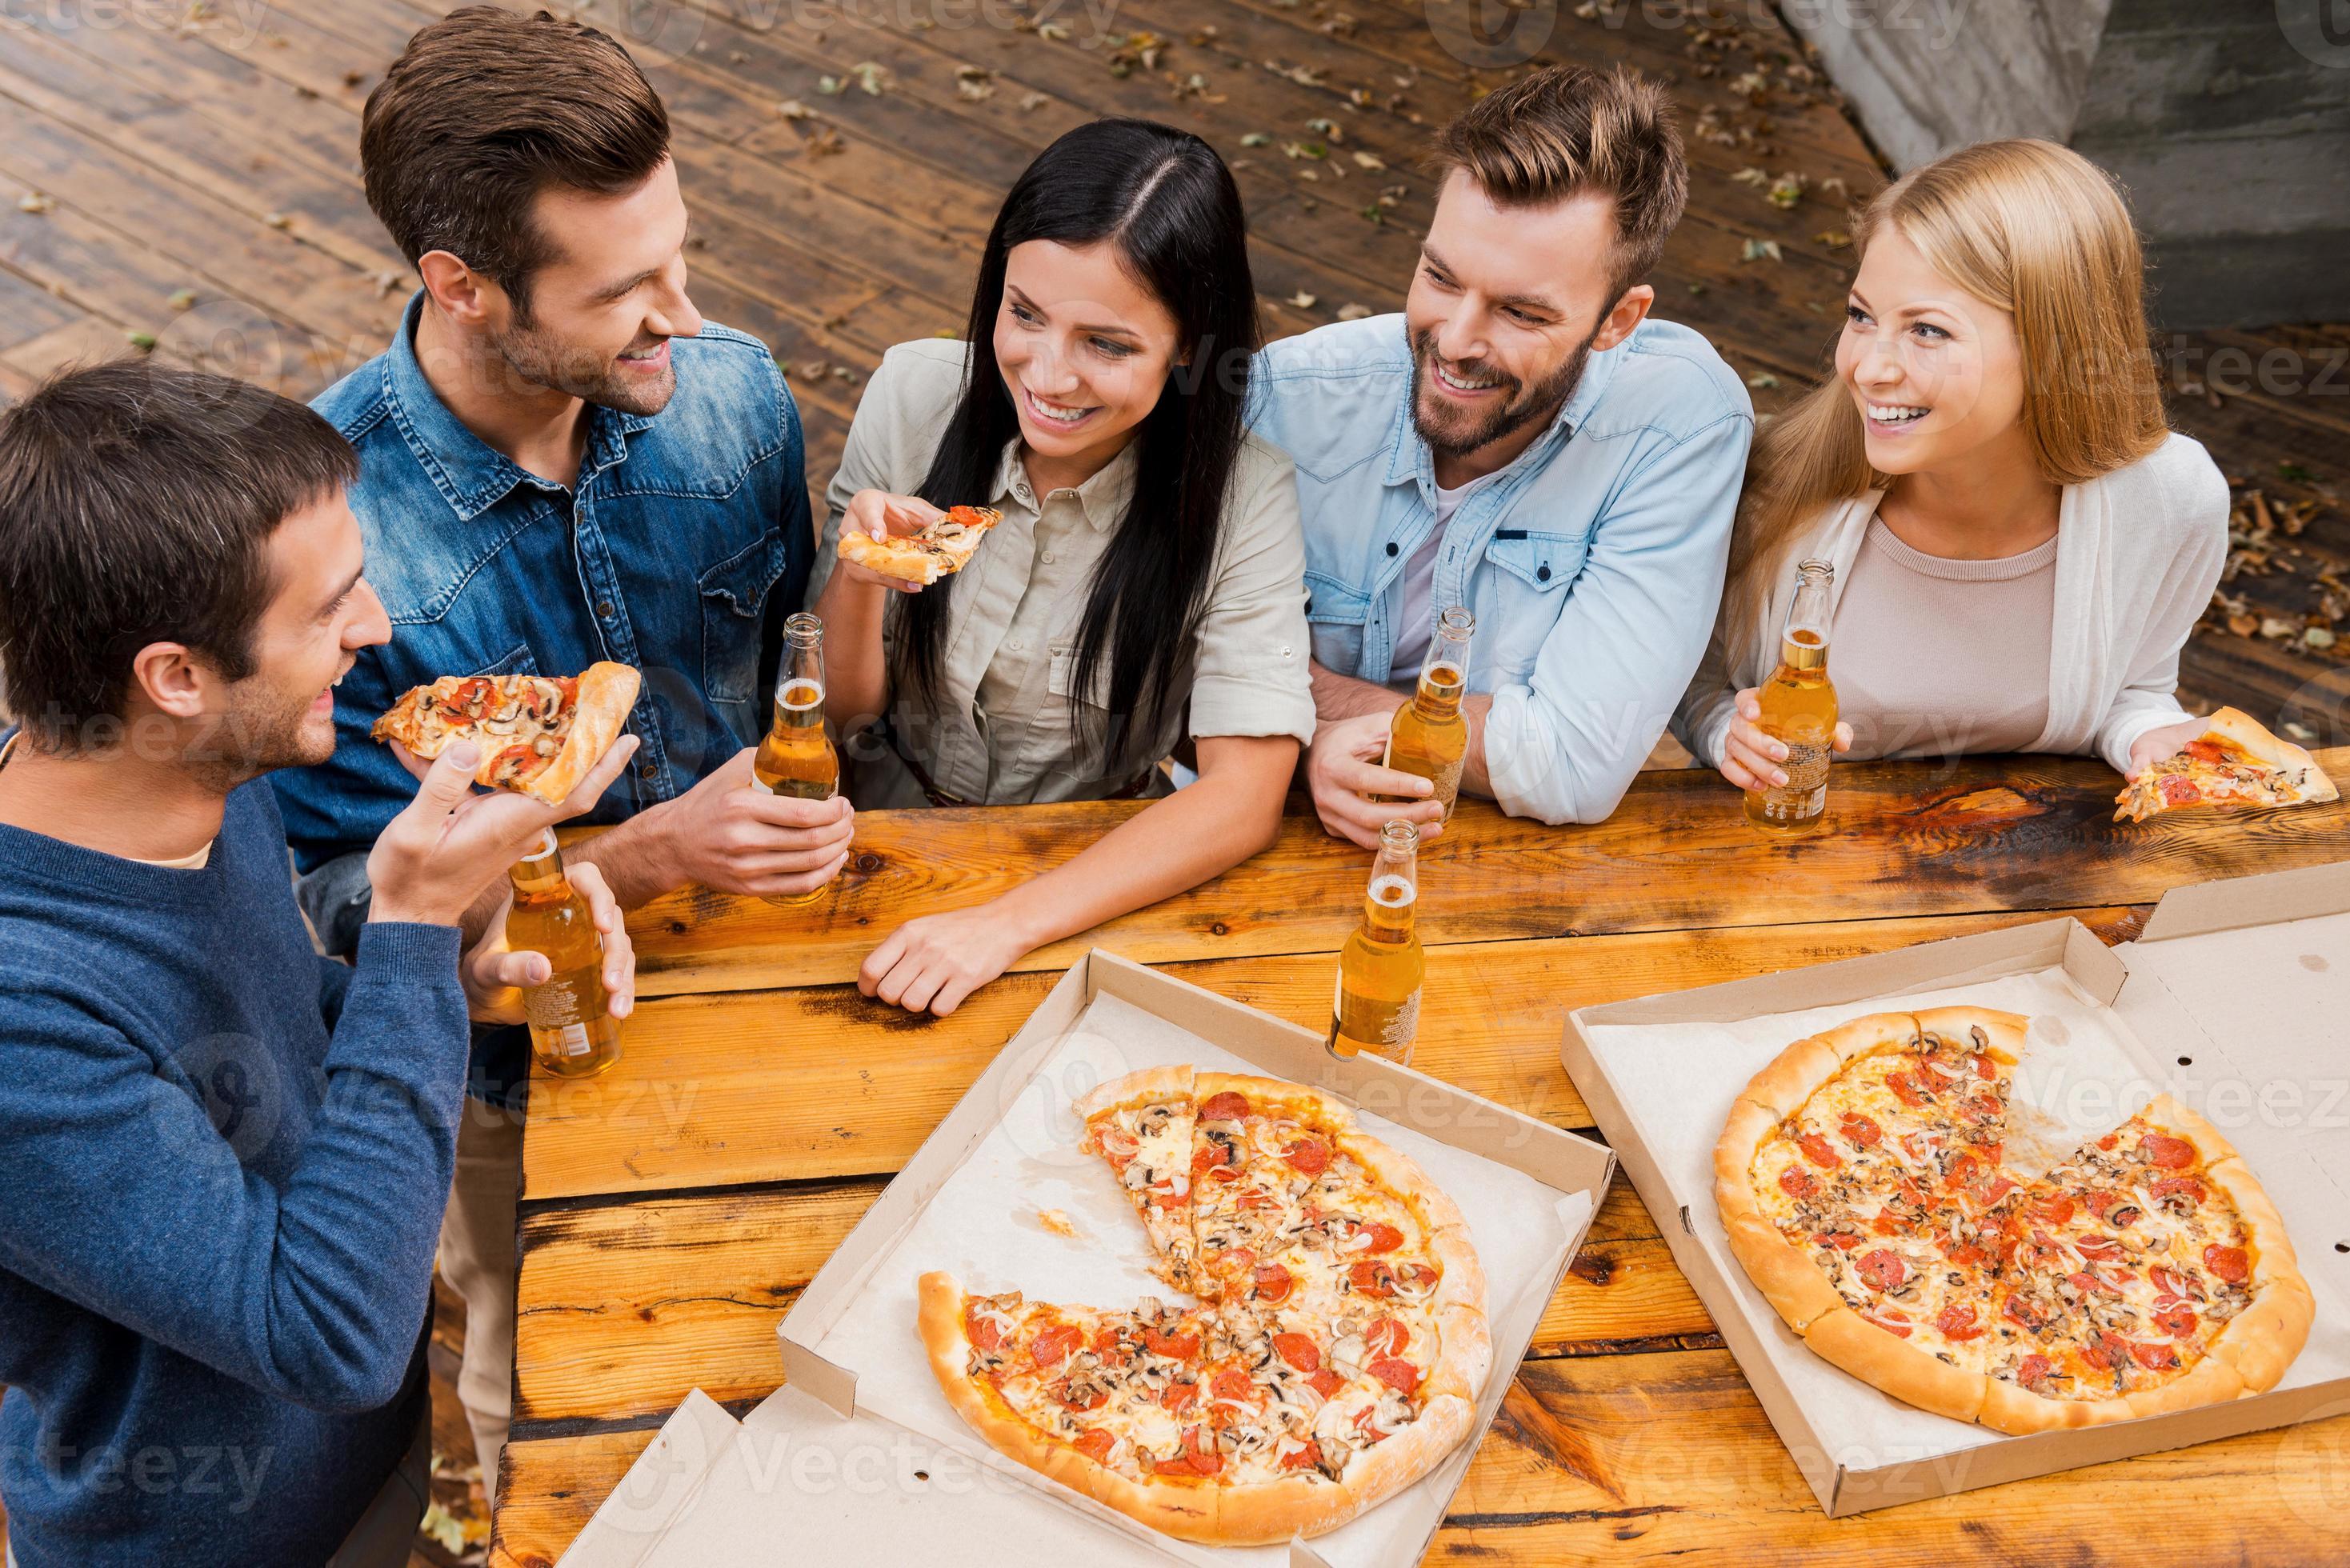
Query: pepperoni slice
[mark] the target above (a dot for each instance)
(1841, 1240)
(1383, 1237)
(1310, 1155)
(1394, 1372)
(2170, 1153)
(2122, 1216)
(1298, 1350)
(1326, 1383)
(1998, 1188)
(1233, 1383)
(1239, 1259)
(1893, 1322)
(1420, 1273)
(1958, 1322)
(1371, 1279)
(2230, 1263)
(1209, 1154)
(1228, 1106)
(1797, 1183)
(1249, 1203)
(1883, 1270)
(2108, 1142)
(1962, 1170)
(1905, 1089)
(1819, 1151)
(1308, 1458)
(2177, 789)
(2033, 1371)
(2106, 1350)
(1272, 1283)
(2089, 1285)
(2179, 1322)
(1180, 1396)
(1095, 1444)
(2098, 1249)
(1966, 1254)
(1860, 1131)
(2019, 1310)
(1182, 1346)
(2096, 1201)
(1985, 1068)
(983, 1331)
(1053, 1346)
(1094, 1400)
(1979, 1108)
(2053, 1208)
(2185, 1186)
(2154, 1358)
(1386, 1336)
(2170, 1287)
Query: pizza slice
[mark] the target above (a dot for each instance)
(539, 735)
(1142, 1125)
(937, 551)
(2235, 761)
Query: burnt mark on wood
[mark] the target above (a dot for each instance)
(1533, 1427)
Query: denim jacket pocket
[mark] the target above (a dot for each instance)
(516, 661)
(1545, 563)
(734, 612)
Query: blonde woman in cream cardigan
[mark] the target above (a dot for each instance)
(2020, 544)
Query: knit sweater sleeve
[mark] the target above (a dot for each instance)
(128, 1196)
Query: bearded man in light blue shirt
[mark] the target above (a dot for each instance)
(1525, 441)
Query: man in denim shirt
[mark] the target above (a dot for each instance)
(559, 463)
(1522, 441)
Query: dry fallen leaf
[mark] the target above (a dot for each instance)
(793, 108)
(1353, 312)
(182, 299)
(143, 341)
(1303, 300)
(34, 202)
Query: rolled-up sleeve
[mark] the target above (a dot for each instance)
(1250, 674)
(1564, 745)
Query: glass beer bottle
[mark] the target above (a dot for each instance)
(796, 757)
(1799, 710)
(572, 1031)
(1377, 1008)
(1430, 737)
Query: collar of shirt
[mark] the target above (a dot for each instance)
(470, 474)
(1102, 499)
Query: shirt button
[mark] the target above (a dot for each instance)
(1541, 574)
(1391, 549)
(1048, 557)
(1016, 645)
(603, 608)
(648, 771)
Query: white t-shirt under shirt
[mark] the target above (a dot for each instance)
(1415, 614)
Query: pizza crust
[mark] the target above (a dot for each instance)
(1794, 1285)
(1788, 1079)
(2304, 780)
(1875, 1032)
(1145, 1087)
(2174, 1119)
(2210, 1381)
(2003, 1032)
(942, 1316)
(606, 692)
(2019, 1412)
(1849, 1341)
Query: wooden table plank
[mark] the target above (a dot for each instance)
(821, 1083)
(1984, 834)
(1667, 1456)
(624, 1309)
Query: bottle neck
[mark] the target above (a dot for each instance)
(1442, 682)
(1803, 650)
(539, 873)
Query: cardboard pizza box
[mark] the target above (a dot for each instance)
(860, 1460)
(2232, 1000)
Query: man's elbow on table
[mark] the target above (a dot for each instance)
(1541, 768)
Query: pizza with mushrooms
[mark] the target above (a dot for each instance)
(939, 550)
(1331, 1351)
(2235, 761)
(1861, 1181)
(539, 735)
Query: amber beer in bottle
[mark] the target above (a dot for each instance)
(797, 758)
(1381, 967)
(1799, 710)
(572, 1031)
(1430, 737)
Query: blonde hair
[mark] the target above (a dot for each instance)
(2029, 227)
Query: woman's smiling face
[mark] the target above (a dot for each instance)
(1936, 373)
(1084, 349)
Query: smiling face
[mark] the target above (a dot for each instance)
(283, 714)
(1937, 374)
(1506, 305)
(1084, 349)
(602, 312)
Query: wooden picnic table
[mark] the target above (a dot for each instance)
(673, 1208)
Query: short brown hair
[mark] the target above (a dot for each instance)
(137, 501)
(1565, 130)
(484, 109)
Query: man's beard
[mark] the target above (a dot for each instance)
(260, 733)
(540, 360)
(1522, 405)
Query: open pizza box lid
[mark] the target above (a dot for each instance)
(2233, 1001)
(860, 1458)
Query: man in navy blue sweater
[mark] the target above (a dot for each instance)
(226, 1157)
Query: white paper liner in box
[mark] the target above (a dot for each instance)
(984, 1225)
(2083, 1072)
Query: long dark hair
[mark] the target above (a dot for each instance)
(1164, 198)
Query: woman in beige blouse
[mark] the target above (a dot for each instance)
(2020, 544)
(1147, 580)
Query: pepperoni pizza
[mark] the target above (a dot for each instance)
(1332, 1353)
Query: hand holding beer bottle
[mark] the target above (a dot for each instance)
(1428, 737)
(1779, 747)
(797, 758)
(574, 1029)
